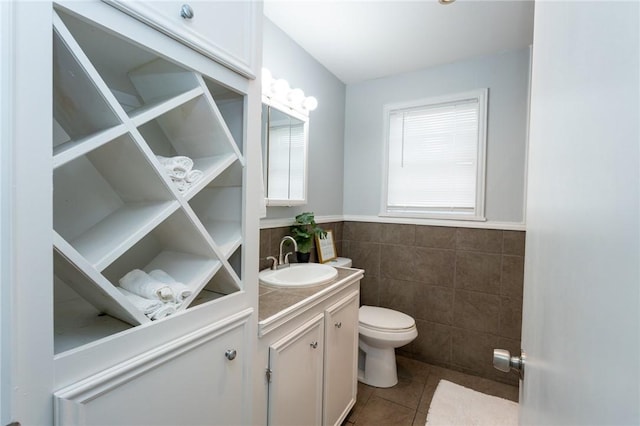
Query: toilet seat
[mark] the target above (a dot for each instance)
(384, 320)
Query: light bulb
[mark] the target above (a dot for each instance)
(295, 96)
(310, 103)
(280, 86)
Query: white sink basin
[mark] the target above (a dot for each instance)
(298, 275)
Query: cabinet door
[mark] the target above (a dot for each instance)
(222, 30)
(295, 389)
(199, 379)
(341, 359)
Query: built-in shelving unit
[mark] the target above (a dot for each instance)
(118, 109)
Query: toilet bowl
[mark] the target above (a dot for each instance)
(381, 330)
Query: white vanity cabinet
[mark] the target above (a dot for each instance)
(340, 359)
(295, 375)
(222, 30)
(312, 362)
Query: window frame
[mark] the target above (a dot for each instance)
(478, 213)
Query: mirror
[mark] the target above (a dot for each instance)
(284, 153)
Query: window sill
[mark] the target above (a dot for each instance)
(464, 217)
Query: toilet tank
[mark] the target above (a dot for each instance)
(339, 262)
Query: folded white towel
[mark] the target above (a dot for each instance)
(146, 306)
(181, 184)
(193, 176)
(180, 290)
(140, 283)
(177, 167)
(164, 311)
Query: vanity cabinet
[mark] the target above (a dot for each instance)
(340, 359)
(312, 373)
(296, 373)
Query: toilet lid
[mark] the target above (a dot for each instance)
(383, 318)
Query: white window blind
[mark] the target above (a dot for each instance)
(435, 156)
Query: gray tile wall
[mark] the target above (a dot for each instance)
(463, 286)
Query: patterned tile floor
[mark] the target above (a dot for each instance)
(407, 403)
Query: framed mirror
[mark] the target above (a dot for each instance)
(284, 152)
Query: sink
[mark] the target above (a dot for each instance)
(298, 275)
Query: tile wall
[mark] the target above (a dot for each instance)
(463, 286)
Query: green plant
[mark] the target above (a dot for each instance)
(304, 231)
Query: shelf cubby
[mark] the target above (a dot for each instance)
(231, 107)
(223, 282)
(118, 61)
(108, 199)
(235, 260)
(177, 248)
(76, 322)
(80, 111)
(217, 206)
(72, 268)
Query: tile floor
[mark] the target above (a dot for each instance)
(407, 403)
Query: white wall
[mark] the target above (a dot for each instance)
(286, 59)
(507, 77)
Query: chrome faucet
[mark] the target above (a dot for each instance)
(285, 260)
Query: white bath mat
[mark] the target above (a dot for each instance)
(454, 405)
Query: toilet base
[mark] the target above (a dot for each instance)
(379, 369)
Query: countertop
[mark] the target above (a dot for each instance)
(276, 303)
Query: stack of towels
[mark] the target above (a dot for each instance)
(156, 294)
(180, 170)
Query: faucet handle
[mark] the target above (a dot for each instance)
(274, 262)
(286, 257)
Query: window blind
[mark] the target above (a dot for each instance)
(433, 157)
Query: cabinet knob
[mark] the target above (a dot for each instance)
(314, 345)
(231, 354)
(339, 324)
(186, 11)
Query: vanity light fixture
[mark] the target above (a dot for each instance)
(278, 90)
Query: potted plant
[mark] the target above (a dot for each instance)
(304, 231)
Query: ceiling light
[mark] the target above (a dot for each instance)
(446, 1)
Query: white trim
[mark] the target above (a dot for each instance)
(526, 140)
(482, 96)
(280, 222)
(505, 226)
(6, 137)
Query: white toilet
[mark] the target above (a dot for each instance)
(381, 331)
(339, 262)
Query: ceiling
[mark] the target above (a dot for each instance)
(360, 40)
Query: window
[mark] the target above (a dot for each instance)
(435, 160)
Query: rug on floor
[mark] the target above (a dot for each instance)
(455, 405)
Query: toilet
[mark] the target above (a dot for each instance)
(381, 331)
(339, 262)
